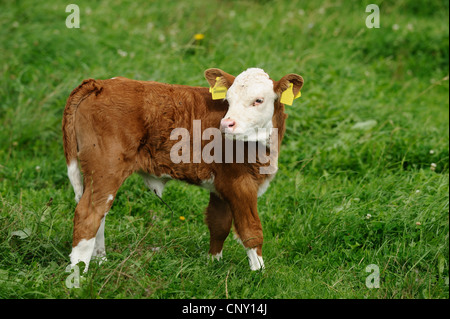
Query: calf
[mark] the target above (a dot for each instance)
(120, 126)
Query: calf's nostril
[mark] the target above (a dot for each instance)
(227, 123)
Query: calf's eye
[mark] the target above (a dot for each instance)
(258, 102)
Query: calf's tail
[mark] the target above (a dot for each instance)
(69, 134)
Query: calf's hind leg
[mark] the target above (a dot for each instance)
(218, 218)
(88, 229)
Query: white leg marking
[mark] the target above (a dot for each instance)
(217, 256)
(82, 252)
(110, 198)
(99, 248)
(75, 179)
(256, 262)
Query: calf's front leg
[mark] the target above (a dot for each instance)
(248, 225)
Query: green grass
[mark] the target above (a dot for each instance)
(355, 185)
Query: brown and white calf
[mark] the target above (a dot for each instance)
(120, 126)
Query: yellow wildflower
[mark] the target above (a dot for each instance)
(199, 36)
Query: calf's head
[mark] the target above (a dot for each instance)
(252, 97)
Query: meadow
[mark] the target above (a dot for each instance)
(363, 180)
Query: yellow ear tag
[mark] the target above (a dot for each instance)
(287, 97)
(218, 92)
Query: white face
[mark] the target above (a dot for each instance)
(251, 105)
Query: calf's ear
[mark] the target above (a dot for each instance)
(225, 79)
(284, 83)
